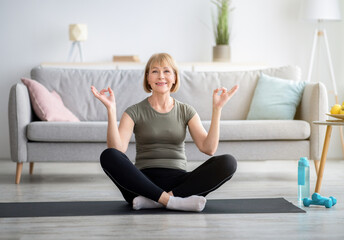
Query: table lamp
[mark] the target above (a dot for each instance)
(77, 34)
(321, 11)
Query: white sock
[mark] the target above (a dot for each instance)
(193, 203)
(141, 202)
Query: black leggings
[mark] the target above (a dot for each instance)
(152, 182)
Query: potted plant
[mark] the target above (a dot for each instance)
(221, 52)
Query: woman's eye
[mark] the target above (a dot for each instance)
(154, 71)
(167, 71)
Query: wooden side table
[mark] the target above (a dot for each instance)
(329, 124)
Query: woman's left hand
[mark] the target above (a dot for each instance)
(220, 100)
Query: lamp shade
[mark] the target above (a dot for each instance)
(78, 32)
(321, 10)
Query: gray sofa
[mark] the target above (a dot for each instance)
(32, 140)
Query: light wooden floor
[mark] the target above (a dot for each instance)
(75, 182)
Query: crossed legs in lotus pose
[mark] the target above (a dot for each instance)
(161, 187)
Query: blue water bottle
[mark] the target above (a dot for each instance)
(303, 179)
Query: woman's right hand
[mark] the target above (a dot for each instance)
(108, 100)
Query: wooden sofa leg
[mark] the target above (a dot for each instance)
(18, 172)
(31, 168)
(316, 165)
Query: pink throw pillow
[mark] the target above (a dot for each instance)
(48, 106)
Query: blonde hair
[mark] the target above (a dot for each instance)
(161, 58)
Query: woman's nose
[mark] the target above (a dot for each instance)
(161, 75)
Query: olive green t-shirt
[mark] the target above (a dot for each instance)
(160, 136)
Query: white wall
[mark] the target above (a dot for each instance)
(264, 31)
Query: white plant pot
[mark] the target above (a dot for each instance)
(221, 53)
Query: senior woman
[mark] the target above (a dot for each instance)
(159, 177)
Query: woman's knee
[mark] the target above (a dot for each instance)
(108, 155)
(228, 163)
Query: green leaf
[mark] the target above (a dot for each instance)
(221, 32)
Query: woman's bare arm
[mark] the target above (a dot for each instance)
(118, 137)
(208, 142)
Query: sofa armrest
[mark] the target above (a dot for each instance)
(313, 106)
(19, 116)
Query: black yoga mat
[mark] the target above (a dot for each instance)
(96, 208)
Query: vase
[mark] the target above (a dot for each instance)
(221, 53)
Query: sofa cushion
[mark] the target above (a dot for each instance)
(73, 85)
(197, 89)
(67, 132)
(275, 98)
(48, 106)
(251, 130)
(247, 130)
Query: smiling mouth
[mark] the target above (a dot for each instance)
(160, 83)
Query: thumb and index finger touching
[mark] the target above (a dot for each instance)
(96, 93)
(224, 90)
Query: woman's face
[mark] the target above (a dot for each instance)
(161, 78)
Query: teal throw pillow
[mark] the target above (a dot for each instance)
(275, 99)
